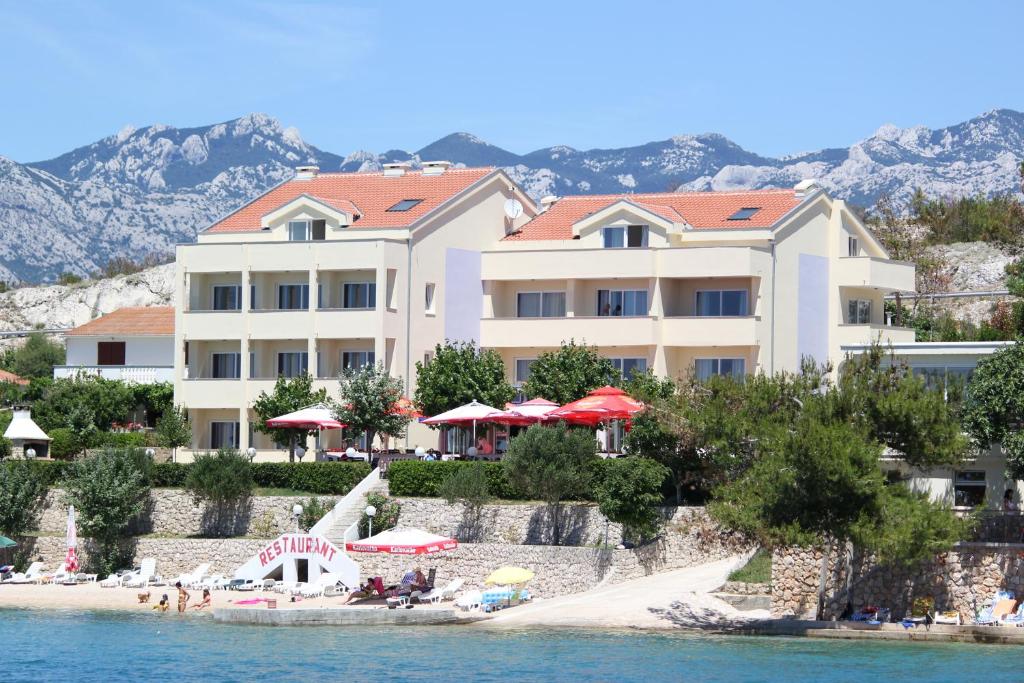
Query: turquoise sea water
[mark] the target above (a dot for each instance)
(96, 646)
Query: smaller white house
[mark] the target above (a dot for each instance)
(979, 481)
(133, 344)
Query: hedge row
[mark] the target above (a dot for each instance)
(334, 478)
(423, 478)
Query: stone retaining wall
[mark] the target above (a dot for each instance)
(690, 538)
(521, 523)
(960, 580)
(174, 556)
(744, 588)
(172, 512)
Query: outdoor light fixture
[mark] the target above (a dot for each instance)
(297, 512)
(30, 453)
(350, 452)
(420, 452)
(150, 452)
(300, 452)
(371, 512)
(471, 451)
(251, 452)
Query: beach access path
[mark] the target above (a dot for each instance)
(674, 599)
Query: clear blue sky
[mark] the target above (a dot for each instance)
(519, 74)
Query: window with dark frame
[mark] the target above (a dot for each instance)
(110, 353)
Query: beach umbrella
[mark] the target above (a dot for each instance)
(509, 575)
(6, 543)
(71, 559)
(404, 406)
(312, 417)
(467, 414)
(403, 541)
(534, 411)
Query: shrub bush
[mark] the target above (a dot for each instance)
(22, 490)
(122, 440)
(220, 478)
(425, 479)
(330, 478)
(65, 443)
(313, 510)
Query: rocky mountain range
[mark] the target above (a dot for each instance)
(143, 190)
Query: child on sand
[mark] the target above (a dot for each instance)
(163, 605)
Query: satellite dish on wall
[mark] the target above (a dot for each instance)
(513, 208)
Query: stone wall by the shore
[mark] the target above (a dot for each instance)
(580, 524)
(960, 580)
(173, 512)
(690, 537)
(174, 556)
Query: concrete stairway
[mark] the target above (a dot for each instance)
(339, 524)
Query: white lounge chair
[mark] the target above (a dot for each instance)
(58, 576)
(193, 578)
(30, 575)
(447, 593)
(470, 601)
(112, 581)
(145, 574)
(317, 588)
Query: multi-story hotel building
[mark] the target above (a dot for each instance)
(329, 271)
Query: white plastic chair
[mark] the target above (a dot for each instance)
(470, 601)
(446, 593)
(140, 580)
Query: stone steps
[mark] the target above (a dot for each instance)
(350, 510)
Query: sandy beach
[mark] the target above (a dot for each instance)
(663, 601)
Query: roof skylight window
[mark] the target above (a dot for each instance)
(405, 204)
(744, 214)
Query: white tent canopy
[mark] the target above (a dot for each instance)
(22, 428)
(403, 541)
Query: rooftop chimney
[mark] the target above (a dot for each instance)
(435, 167)
(306, 172)
(396, 169)
(547, 201)
(806, 187)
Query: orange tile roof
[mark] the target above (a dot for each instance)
(701, 210)
(135, 321)
(12, 378)
(372, 193)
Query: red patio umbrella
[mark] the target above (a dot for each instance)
(313, 417)
(71, 558)
(404, 406)
(600, 405)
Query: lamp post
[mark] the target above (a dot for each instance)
(300, 452)
(420, 452)
(150, 453)
(297, 512)
(350, 453)
(251, 452)
(371, 512)
(30, 453)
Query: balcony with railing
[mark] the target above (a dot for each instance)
(135, 374)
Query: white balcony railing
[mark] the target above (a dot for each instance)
(136, 374)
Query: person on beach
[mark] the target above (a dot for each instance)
(163, 605)
(206, 601)
(419, 581)
(183, 597)
(364, 591)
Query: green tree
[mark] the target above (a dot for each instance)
(224, 483)
(569, 373)
(388, 510)
(35, 358)
(22, 491)
(459, 373)
(173, 429)
(469, 487)
(288, 396)
(994, 408)
(109, 490)
(629, 493)
(84, 404)
(368, 397)
(552, 464)
(5, 444)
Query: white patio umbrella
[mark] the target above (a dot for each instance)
(469, 413)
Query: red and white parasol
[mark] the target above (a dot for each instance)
(403, 541)
(600, 405)
(71, 559)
